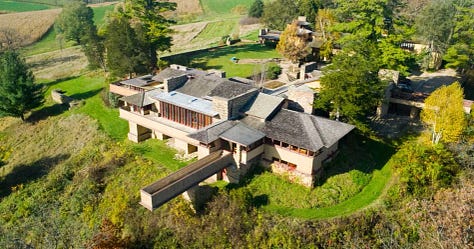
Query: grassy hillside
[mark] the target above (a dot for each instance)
(224, 7)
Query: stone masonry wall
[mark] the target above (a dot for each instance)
(170, 84)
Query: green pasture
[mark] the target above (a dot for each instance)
(223, 7)
(15, 6)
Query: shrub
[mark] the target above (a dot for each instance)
(424, 169)
(273, 71)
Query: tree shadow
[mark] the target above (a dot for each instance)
(357, 152)
(56, 81)
(86, 95)
(26, 173)
(47, 111)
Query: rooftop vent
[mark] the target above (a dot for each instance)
(172, 93)
(192, 100)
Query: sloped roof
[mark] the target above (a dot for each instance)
(139, 81)
(305, 130)
(200, 86)
(263, 106)
(229, 89)
(211, 133)
(168, 73)
(242, 135)
(141, 99)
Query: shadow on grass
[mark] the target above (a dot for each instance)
(47, 111)
(357, 152)
(25, 173)
(56, 81)
(86, 95)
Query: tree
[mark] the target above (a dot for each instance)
(309, 8)
(126, 54)
(18, 92)
(293, 45)
(146, 15)
(279, 13)
(350, 87)
(460, 54)
(435, 26)
(324, 22)
(75, 21)
(444, 112)
(256, 9)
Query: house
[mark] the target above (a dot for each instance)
(203, 112)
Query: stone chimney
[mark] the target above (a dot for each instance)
(173, 83)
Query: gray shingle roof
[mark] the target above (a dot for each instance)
(141, 99)
(200, 86)
(211, 133)
(168, 73)
(242, 135)
(229, 89)
(305, 130)
(139, 81)
(263, 106)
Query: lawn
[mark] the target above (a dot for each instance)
(223, 7)
(219, 58)
(214, 31)
(353, 181)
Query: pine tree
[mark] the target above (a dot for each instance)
(18, 92)
(256, 10)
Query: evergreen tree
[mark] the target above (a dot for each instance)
(279, 13)
(256, 9)
(126, 54)
(147, 16)
(18, 92)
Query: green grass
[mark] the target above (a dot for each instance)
(217, 29)
(353, 181)
(88, 89)
(158, 152)
(219, 58)
(14, 6)
(48, 42)
(223, 7)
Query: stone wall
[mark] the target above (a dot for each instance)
(302, 99)
(237, 103)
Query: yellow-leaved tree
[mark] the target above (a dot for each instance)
(293, 43)
(445, 114)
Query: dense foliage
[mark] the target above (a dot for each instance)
(256, 9)
(444, 113)
(292, 45)
(18, 91)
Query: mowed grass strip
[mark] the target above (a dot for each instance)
(14, 6)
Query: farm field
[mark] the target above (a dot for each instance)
(49, 43)
(14, 6)
(224, 7)
(21, 27)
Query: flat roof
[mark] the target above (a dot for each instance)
(242, 135)
(186, 101)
